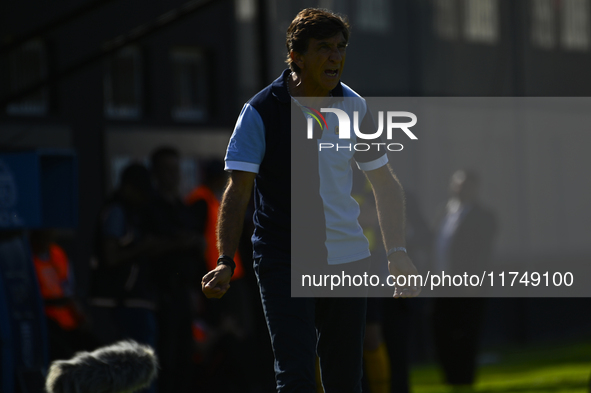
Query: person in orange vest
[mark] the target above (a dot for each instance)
(66, 323)
(205, 202)
(231, 318)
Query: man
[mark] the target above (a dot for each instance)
(232, 316)
(176, 270)
(123, 292)
(464, 243)
(300, 328)
(67, 325)
(204, 201)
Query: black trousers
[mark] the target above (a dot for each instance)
(457, 324)
(300, 328)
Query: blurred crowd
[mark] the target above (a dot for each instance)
(153, 245)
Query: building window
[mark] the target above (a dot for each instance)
(445, 19)
(543, 26)
(481, 21)
(123, 84)
(373, 15)
(575, 24)
(25, 66)
(190, 84)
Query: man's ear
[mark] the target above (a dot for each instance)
(297, 58)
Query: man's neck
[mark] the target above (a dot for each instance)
(299, 88)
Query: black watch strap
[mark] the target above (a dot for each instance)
(228, 261)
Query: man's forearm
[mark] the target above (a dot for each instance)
(390, 207)
(232, 211)
(230, 223)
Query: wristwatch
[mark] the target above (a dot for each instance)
(396, 249)
(228, 261)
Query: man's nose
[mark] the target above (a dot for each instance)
(336, 55)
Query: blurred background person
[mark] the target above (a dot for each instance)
(377, 376)
(204, 202)
(464, 240)
(231, 317)
(67, 325)
(402, 321)
(392, 325)
(177, 270)
(123, 291)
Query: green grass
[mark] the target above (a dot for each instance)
(565, 368)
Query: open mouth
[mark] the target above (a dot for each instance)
(331, 72)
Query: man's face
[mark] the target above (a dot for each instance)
(463, 188)
(322, 64)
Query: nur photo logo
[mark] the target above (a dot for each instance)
(344, 128)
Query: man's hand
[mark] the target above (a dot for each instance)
(399, 264)
(217, 282)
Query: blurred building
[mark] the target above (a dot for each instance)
(181, 84)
